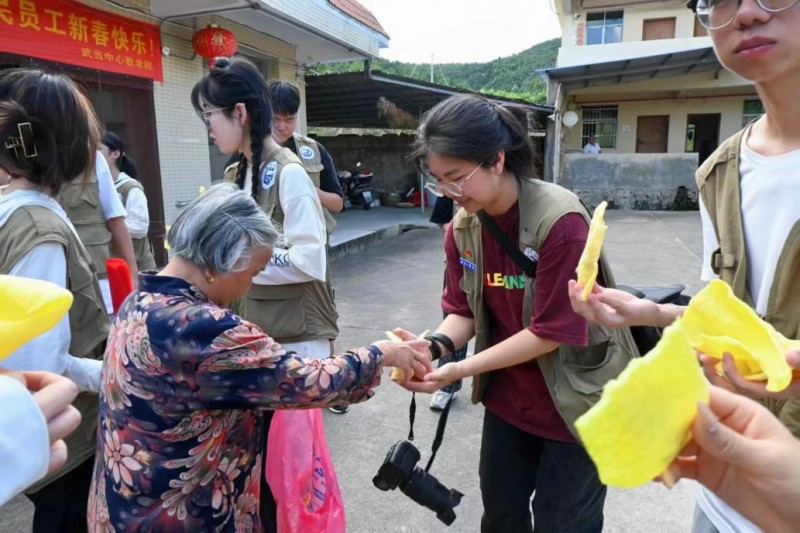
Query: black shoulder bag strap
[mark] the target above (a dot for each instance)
(527, 265)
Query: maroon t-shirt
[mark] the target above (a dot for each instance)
(518, 394)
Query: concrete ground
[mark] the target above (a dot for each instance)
(396, 281)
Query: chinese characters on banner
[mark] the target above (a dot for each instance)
(68, 32)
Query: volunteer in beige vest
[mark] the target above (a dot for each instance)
(96, 211)
(131, 193)
(285, 100)
(289, 299)
(532, 368)
(751, 221)
(43, 147)
(299, 310)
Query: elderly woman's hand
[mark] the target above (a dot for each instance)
(412, 357)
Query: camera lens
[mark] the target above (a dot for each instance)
(426, 490)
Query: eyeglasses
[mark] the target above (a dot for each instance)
(454, 188)
(716, 14)
(205, 115)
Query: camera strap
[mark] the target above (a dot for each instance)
(437, 439)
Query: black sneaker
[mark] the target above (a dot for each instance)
(339, 409)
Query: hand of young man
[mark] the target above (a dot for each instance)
(742, 453)
(733, 381)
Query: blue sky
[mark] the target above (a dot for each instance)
(460, 31)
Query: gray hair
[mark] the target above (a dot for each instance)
(219, 229)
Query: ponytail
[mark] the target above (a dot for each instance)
(126, 165)
(124, 162)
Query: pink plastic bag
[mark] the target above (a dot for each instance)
(300, 473)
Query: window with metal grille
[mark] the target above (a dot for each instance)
(752, 110)
(604, 28)
(600, 121)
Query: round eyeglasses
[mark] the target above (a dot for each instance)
(453, 189)
(205, 115)
(716, 14)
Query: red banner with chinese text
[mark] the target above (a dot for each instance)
(68, 32)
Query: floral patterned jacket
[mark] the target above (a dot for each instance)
(184, 383)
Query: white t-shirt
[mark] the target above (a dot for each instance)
(112, 208)
(50, 350)
(770, 187)
(303, 257)
(138, 217)
(109, 199)
(592, 148)
(24, 440)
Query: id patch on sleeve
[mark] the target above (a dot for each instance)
(306, 152)
(469, 265)
(268, 175)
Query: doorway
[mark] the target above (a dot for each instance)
(124, 105)
(652, 133)
(702, 135)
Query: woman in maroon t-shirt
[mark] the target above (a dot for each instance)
(475, 151)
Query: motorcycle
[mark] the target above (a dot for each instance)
(356, 187)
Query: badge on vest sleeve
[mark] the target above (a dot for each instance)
(469, 265)
(531, 254)
(268, 175)
(306, 152)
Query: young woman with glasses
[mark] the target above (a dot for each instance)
(479, 154)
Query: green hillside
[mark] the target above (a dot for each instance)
(511, 76)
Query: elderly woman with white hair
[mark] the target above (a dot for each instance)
(186, 383)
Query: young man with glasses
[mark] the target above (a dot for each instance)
(749, 210)
(749, 189)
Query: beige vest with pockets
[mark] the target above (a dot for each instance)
(26, 228)
(575, 375)
(295, 312)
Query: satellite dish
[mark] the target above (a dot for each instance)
(569, 119)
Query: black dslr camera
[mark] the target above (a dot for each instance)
(400, 469)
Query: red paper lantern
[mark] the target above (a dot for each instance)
(213, 41)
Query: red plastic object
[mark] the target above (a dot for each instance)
(419, 198)
(119, 279)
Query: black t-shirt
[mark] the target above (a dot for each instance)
(328, 179)
(442, 210)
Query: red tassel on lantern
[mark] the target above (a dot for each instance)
(213, 41)
(119, 280)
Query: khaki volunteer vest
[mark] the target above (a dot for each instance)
(295, 312)
(575, 375)
(81, 200)
(718, 183)
(311, 159)
(142, 247)
(26, 228)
